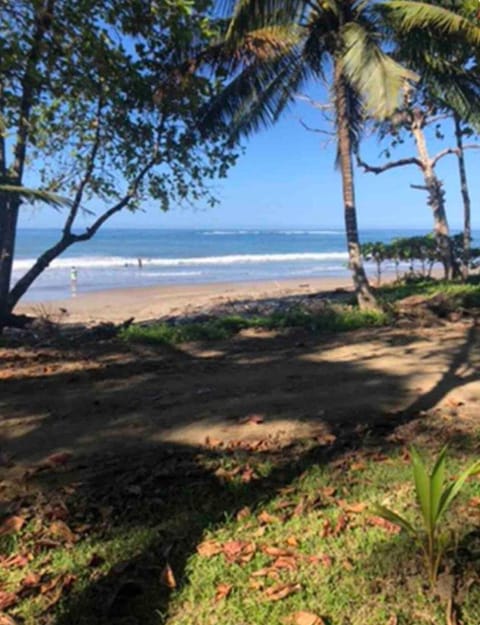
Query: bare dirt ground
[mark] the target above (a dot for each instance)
(108, 397)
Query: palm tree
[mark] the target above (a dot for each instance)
(272, 47)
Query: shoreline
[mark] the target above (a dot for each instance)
(149, 303)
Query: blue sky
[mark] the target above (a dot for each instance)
(286, 178)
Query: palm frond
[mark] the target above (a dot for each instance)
(257, 96)
(376, 76)
(410, 14)
(36, 195)
(249, 15)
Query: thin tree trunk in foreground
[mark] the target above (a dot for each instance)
(363, 291)
(467, 233)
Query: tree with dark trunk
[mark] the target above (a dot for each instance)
(462, 172)
(99, 102)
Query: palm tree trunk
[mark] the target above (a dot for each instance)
(363, 291)
(436, 198)
(467, 232)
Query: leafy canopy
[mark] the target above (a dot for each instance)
(108, 93)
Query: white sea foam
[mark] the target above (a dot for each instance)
(314, 232)
(107, 262)
(228, 233)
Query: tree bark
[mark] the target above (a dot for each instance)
(467, 232)
(9, 203)
(42, 262)
(363, 291)
(436, 197)
(8, 227)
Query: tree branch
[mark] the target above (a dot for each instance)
(390, 165)
(447, 151)
(314, 103)
(87, 176)
(68, 238)
(91, 230)
(437, 118)
(318, 130)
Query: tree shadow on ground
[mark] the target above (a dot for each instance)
(177, 490)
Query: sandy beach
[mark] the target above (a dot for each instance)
(117, 305)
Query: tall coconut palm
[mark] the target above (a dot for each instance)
(340, 41)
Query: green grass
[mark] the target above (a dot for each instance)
(332, 319)
(460, 294)
(364, 574)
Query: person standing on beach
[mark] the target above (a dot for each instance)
(73, 280)
(140, 263)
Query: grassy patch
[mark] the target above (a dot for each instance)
(331, 319)
(460, 294)
(304, 524)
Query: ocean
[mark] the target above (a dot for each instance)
(111, 258)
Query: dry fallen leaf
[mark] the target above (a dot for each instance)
(276, 593)
(167, 578)
(5, 619)
(265, 518)
(389, 527)
(352, 508)
(7, 599)
(327, 529)
(222, 591)
(209, 548)
(31, 580)
(15, 561)
(248, 475)
(340, 525)
(239, 551)
(305, 618)
(243, 513)
(59, 529)
(11, 525)
(276, 552)
(323, 559)
(292, 541)
(328, 491)
(286, 562)
(266, 572)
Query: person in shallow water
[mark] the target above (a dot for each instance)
(73, 279)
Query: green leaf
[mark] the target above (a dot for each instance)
(436, 485)
(393, 517)
(422, 487)
(452, 491)
(32, 195)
